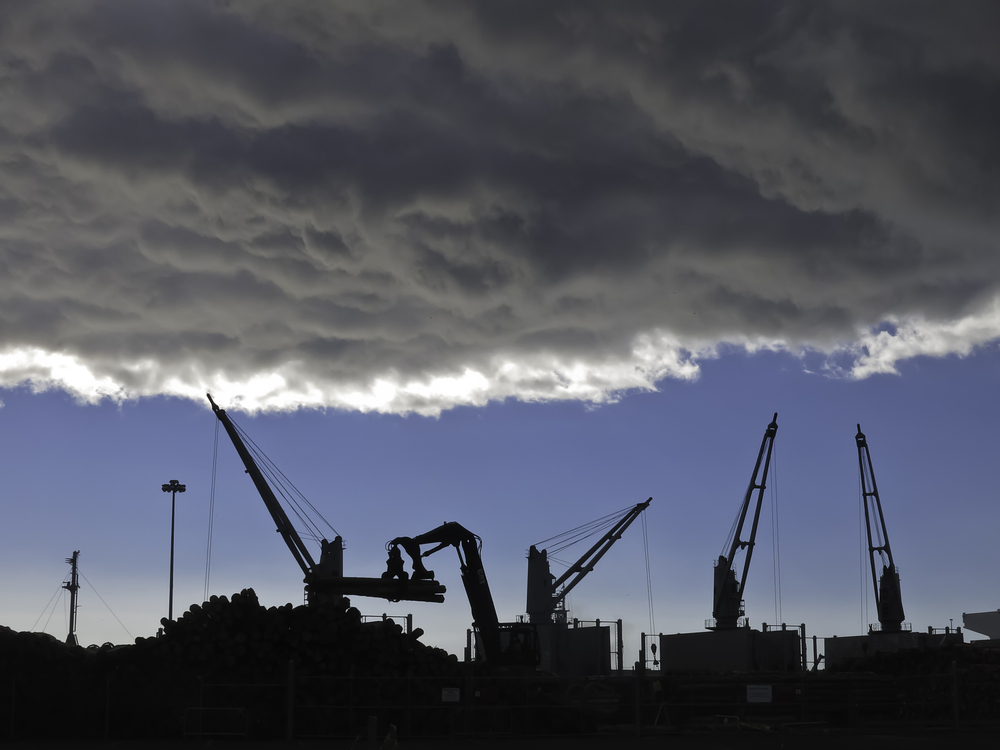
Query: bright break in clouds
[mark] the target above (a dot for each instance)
(406, 206)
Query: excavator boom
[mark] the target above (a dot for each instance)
(477, 589)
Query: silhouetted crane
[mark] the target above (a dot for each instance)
(888, 601)
(325, 578)
(728, 605)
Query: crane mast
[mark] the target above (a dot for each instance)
(888, 599)
(728, 605)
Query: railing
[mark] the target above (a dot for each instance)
(876, 627)
(741, 622)
(405, 620)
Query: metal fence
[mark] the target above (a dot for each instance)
(305, 707)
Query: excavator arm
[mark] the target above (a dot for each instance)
(477, 587)
(521, 647)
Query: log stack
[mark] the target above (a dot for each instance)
(143, 690)
(237, 639)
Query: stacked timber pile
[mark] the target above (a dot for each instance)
(145, 690)
(41, 681)
(237, 639)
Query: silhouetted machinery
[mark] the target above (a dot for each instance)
(498, 644)
(891, 634)
(546, 599)
(573, 648)
(731, 645)
(888, 601)
(728, 606)
(325, 578)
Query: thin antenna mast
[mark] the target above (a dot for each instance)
(73, 586)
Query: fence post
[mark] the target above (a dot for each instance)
(954, 694)
(107, 704)
(621, 648)
(805, 648)
(201, 707)
(639, 669)
(290, 702)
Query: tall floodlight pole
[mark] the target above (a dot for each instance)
(173, 488)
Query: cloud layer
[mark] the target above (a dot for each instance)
(407, 206)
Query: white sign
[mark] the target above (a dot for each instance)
(451, 695)
(758, 693)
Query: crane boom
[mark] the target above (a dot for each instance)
(888, 599)
(295, 544)
(728, 596)
(325, 579)
(544, 593)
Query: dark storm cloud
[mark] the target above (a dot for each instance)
(405, 206)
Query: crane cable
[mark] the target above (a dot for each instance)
(46, 609)
(106, 604)
(649, 577)
(211, 513)
(581, 532)
(283, 486)
(747, 496)
(775, 538)
(862, 547)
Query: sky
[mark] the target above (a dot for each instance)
(515, 265)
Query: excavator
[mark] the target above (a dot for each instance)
(888, 600)
(498, 644)
(728, 609)
(323, 579)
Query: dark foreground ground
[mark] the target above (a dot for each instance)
(967, 739)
